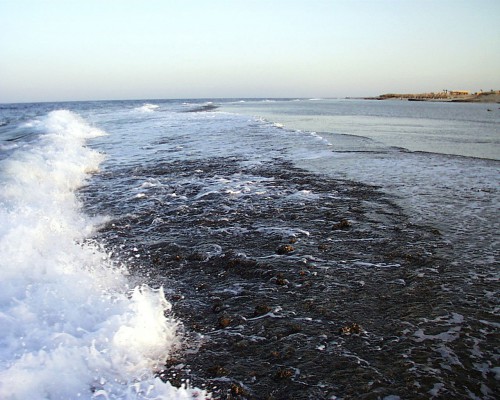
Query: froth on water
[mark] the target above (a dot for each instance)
(71, 325)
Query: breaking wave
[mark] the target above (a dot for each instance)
(71, 324)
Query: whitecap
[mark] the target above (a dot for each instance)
(147, 108)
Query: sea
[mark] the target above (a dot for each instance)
(249, 249)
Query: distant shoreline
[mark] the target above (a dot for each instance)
(449, 97)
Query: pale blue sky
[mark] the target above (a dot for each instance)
(135, 49)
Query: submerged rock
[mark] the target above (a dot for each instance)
(284, 249)
(237, 390)
(284, 373)
(350, 329)
(224, 321)
(343, 224)
(280, 280)
(217, 371)
(261, 309)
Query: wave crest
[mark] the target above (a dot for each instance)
(147, 108)
(70, 324)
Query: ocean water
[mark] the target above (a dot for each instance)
(306, 249)
(438, 160)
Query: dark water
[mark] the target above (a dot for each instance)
(312, 261)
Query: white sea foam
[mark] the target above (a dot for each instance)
(148, 107)
(70, 325)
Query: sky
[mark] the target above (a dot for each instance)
(58, 50)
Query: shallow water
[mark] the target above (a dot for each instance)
(439, 161)
(305, 254)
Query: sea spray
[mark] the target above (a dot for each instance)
(70, 324)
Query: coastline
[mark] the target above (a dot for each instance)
(483, 97)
